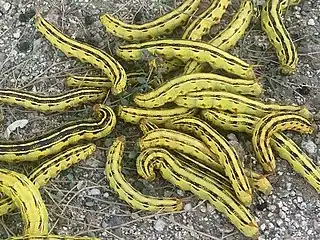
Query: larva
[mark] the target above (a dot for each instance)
(284, 146)
(236, 104)
(227, 155)
(147, 126)
(184, 84)
(202, 24)
(157, 116)
(27, 198)
(175, 140)
(51, 168)
(59, 102)
(163, 25)
(129, 194)
(57, 139)
(50, 237)
(100, 82)
(85, 53)
(189, 50)
(208, 189)
(267, 126)
(229, 36)
(279, 37)
(284, 4)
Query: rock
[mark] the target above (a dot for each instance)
(6, 6)
(311, 22)
(94, 191)
(160, 225)
(309, 146)
(187, 207)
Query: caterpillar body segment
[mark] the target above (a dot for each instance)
(196, 82)
(203, 23)
(279, 36)
(299, 161)
(157, 116)
(147, 126)
(129, 194)
(50, 169)
(175, 140)
(27, 198)
(267, 126)
(163, 25)
(53, 103)
(284, 146)
(227, 155)
(186, 50)
(171, 169)
(100, 59)
(50, 237)
(235, 103)
(284, 4)
(57, 139)
(229, 36)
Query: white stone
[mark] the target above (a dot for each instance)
(311, 22)
(160, 225)
(94, 191)
(17, 34)
(187, 207)
(6, 6)
(309, 146)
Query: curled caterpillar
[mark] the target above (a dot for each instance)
(59, 102)
(189, 50)
(163, 25)
(85, 53)
(173, 171)
(27, 198)
(128, 193)
(50, 237)
(267, 126)
(51, 168)
(195, 82)
(236, 104)
(158, 116)
(57, 139)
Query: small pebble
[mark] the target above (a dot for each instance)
(299, 199)
(279, 222)
(94, 191)
(6, 6)
(311, 22)
(263, 227)
(309, 146)
(160, 225)
(187, 207)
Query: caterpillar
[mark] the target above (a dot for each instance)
(236, 104)
(283, 145)
(27, 198)
(184, 84)
(267, 126)
(101, 82)
(51, 168)
(229, 36)
(57, 139)
(158, 116)
(202, 24)
(100, 59)
(284, 4)
(175, 140)
(53, 103)
(187, 50)
(256, 180)
(278, 35)
(163, 25)
(128, 193)
(50, 237)
(227, 155)
(173, 171)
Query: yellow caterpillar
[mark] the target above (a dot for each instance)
(51, 168)
(85, 53)
(195, 82)
(202, 24)
(57, 139)
(279, 37)
(208, 189)
(284, 146)
(229, 36)
(129, 194)
(267, 126)
(158, 116)
(182, 142)
(235, 103)
(284, 4)
(59, 102)
(27, 198)
(163, 25)
(50, 237)
(227, 155)
(100, 82)
(256, 180)
(187, 50)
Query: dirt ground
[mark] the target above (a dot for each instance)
(80, 201)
